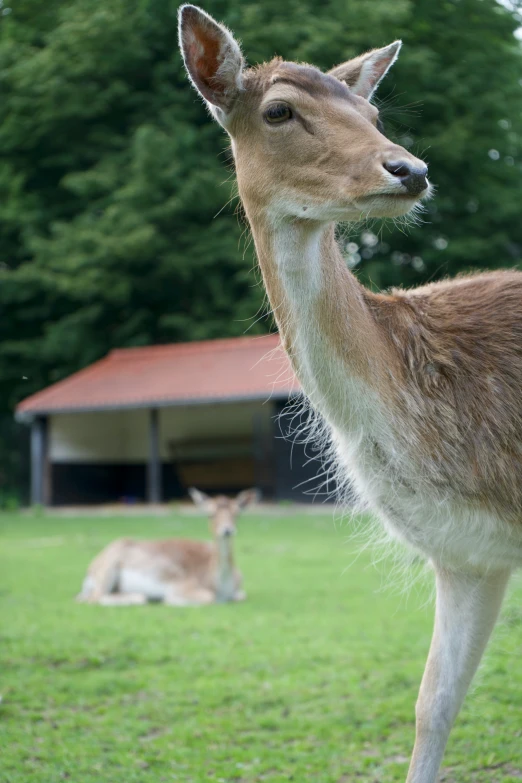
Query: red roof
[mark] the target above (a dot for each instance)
(242, 368)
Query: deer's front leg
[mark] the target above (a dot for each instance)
(466, 610)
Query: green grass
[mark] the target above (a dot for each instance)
(313, 678)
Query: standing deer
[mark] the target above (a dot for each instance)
(176, 571)
(420, 390)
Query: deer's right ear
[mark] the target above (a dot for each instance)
(201, 500)
(212, 58)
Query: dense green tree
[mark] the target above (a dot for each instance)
(112, 175)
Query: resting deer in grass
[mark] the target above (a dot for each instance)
(176, 571)
(420, 390)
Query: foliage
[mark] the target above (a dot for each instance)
(8, 500)
(113, 224)
(313, 678)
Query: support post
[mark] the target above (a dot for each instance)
(263, 437)
(39, 462)
(154, 491)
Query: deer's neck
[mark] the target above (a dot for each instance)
(323, 314)
(225, 578)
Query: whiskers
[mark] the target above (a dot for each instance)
(412, 219)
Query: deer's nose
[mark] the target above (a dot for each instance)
(412, 177)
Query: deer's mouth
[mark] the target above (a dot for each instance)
(385, 205)
(400, 194)
(396, 196)
(403, 196)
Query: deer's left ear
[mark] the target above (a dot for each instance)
(363, 74)
(212, 58)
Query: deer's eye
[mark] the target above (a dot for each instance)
(278, 112)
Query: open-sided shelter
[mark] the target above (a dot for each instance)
(147, 423)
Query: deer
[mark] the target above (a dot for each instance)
(174, 571)
(419, 390)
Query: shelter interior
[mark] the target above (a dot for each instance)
(156, 454)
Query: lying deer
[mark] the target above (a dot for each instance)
(176, 571)
(420, 390)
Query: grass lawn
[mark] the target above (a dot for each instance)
(313, 678)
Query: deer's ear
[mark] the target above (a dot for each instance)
(212, 58)
(363, 74)
(201, 500)
(247, 497)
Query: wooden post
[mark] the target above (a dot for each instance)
(154, 491)
(39, 462)
(263, 436)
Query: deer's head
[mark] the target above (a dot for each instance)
(223, 511)
(306, 144)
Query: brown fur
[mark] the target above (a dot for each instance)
(450, 357)
(312, 165)
(459, 345)
(184, 571)
(419, 389)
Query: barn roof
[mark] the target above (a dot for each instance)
(242, 368)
